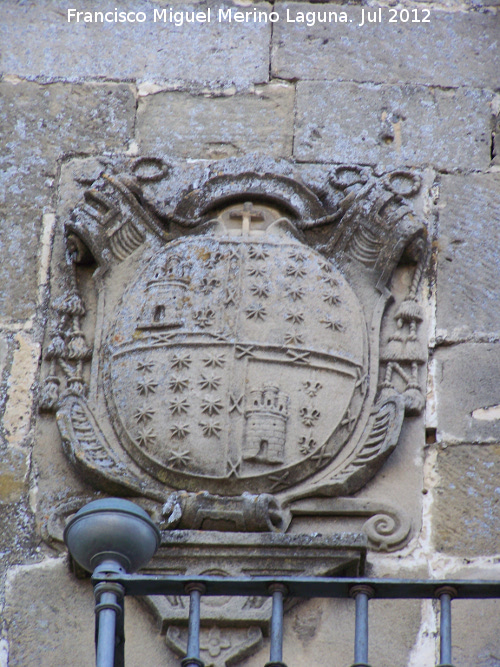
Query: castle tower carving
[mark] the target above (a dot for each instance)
(164, 297)
(266, 420)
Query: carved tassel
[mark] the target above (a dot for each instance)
(50, 394)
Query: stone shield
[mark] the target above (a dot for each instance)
(234, 362)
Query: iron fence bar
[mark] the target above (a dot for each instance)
(276, 650)
(301, 587)
(192, 658)
(109, 612)
(361, 594)
(445, 595)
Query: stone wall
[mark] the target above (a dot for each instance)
(402, 94)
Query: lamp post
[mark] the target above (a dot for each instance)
(111, 536)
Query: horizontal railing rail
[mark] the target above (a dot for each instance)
(301, 587)
(110, 588)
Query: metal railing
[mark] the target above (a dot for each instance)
(110, 587)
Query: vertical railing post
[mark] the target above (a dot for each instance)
(109, 624)
(445, 595)
(276, 651)
(361, 594)
(192, 658)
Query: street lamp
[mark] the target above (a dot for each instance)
(111, 536)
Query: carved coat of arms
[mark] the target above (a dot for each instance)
(240, 361)
(237, 346)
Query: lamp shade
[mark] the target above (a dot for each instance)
(112, 529)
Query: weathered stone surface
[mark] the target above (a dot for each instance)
(38, 124)
(55, 626)
(393, 125)
(322, 632)
(145, 51)
(478, 647)
(19, 244)
(13, 474)
(18, 539)
(17, 415)
(453, 49)
(467, 503)
(467, 392)
(468, 298)
(4, 359)
(204, 127)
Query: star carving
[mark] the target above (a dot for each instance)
(146, 436)
(178, 406)
(330, 280)
(256, 271)
(298, 256)
(332, 299)
(143, 414)
(260, 290)
(181, 360)
(209, 382)
(214, 359)
(295, 317)
(179, 431)
(179, 459)
(211, 428)
(334, 325)
(146, 387)
(295, 293)
(292, 338)
(177, 384)
(295, 271)
(257, 312)
(257, 252)
(146, 366)
(211, 406)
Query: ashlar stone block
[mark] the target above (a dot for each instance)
(206, 127)
(464, 44)
(468, 299)
(56, 626)
(393, 125)
(43, 45)
(322, 632)
(468, 392)
(466, 512)
(38, 124)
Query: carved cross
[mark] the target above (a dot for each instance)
(247, 214)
